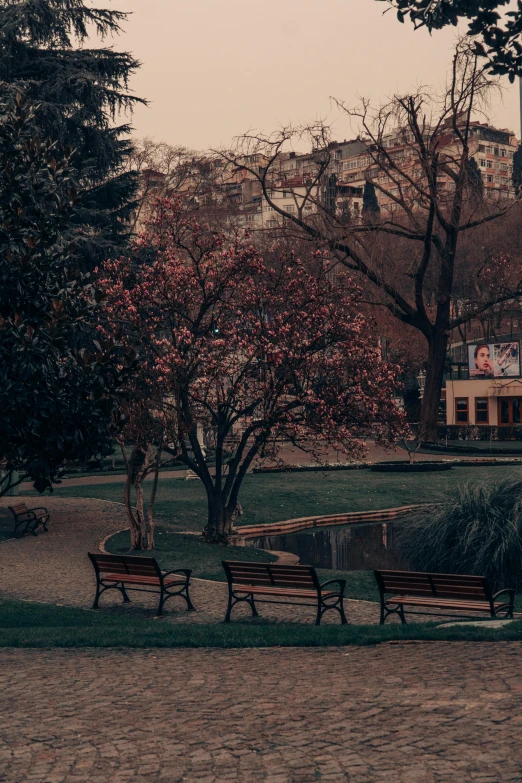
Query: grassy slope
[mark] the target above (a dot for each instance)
(272, 498)
(24, 624)
(187, 551)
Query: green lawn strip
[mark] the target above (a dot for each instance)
(6, 524)
(24, 624)
(273, 498)
(175, 550)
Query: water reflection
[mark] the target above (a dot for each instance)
(347, 548)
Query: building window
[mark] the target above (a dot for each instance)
(489, 164)
(495, 150)
(482, 148)
(509, 410)
(502, 153)
(481, 410)
(489, 178)
(482, 162)
(461, 410)
(289, 208)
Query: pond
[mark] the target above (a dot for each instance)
(343, 548)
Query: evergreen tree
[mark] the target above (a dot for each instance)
(77, 94)
(517, 169)
(475, 183)
(57, 383)
(370, 206)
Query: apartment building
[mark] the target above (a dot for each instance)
(492, 149)
(302, 184)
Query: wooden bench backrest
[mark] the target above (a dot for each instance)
(271, 575)
(125, 564)
(456, 586)
(20, 508)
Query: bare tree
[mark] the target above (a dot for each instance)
(166, 170)
(408, 258)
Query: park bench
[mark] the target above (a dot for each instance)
(143, 574)
(30, 519)
(457, 593)
(246, 580)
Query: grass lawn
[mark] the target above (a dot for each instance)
(175, 550)
(6, 523)
(272, 498)
(24, 624)
(181, 505)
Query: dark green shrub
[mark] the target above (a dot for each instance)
(476, 530)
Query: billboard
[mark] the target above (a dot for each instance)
(494, 360)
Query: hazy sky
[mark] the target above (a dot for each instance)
(213, 69)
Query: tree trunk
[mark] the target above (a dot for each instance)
(431, 398)
(215, 531)
(150, 506)
(135, 528)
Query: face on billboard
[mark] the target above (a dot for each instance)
(494, 360)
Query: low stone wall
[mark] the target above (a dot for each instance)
(302, 523)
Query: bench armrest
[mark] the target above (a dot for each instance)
(340, 582)
(39, 508)
(26, 515)
(186, 571)
(508, 590)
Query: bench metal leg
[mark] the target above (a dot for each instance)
(229, 608)
(322, 607)
(233, 600)
(97, 596)
(386, 612)
(160, 605)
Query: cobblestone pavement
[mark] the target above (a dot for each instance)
(53, 567)
(416, 713)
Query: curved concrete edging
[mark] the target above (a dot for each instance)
(329, 520)
(287, 558)
(301, 523)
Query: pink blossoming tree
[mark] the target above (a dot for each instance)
(249, 352)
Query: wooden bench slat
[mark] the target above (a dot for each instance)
(411, 601)
(31, 519)
(117, 571)
(145, 580)
(457, 592)
(279, 591)
(245, 580)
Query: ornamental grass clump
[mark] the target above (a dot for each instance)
(476, 530)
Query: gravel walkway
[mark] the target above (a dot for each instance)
(53, 567)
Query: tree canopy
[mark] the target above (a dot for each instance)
(77, 93)
(250, 352)
(56, 382)
(497, 36)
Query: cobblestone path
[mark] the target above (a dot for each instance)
(53, 567)
(416, 713)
